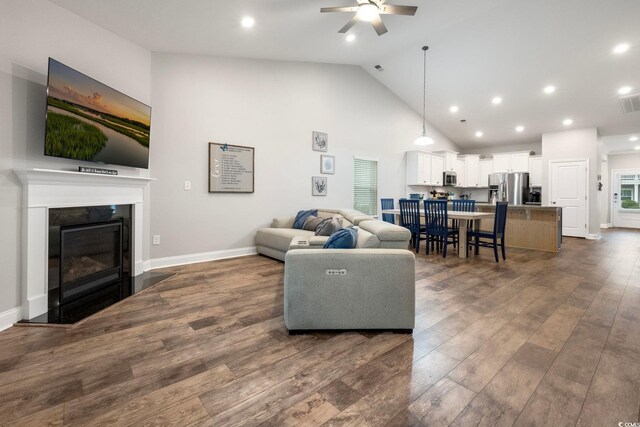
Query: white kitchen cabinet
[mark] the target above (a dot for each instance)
(424, 168)
(460, 173)
(519, 162)
(450, 159)
(472, 171)
(486, 169)
(511, 162)
(437, 170)
(535, 171)
(501, 162)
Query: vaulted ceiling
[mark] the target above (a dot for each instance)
(478, 50)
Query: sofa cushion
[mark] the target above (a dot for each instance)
(279, 238)
(282, 222)
(302, 216)
(367, 240)
(386, 231)
(328, 226)
(312, 223)
(345, 238)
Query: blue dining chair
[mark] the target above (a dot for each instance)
(437, 224)
(462, 206)
(387, 217)
(489, 239)
(410, 219)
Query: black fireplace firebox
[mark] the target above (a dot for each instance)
(91, 258)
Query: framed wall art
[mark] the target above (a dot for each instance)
(320, 141)
(318, 186)
(231, 168)
(327, 164)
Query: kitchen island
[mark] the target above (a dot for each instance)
(529, 226)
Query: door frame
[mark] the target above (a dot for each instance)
(587, 235)
(612, 182)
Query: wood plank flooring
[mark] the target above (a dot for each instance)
(541, 339)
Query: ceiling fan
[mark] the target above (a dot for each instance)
(370, 11)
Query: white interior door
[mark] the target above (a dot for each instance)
(568, 183)
(625, 199)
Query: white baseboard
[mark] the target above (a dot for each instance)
(605, 225)
(201, 257)
(596, 236)
(9, 317)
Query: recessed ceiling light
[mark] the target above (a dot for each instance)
(549, 89)
(519, 128)
(350, 37)
(621, 48)
(454, 109)
(479, 134)
(247, 22)
(633, 138)
(637, 147)
(624, 90)
(496, 100)
(567, 122)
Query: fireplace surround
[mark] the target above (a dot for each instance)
(46, 190)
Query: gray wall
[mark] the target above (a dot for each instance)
(573, 145)
(272, 106)
(30, 32)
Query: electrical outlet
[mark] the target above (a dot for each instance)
(156, 239)
(187, 186)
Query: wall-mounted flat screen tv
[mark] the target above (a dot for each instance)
(88, 120)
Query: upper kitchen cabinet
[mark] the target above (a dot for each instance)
(486, 169)
(450, 159)
(424, 168)
(511, 162)
(471, 171)
(535, 171)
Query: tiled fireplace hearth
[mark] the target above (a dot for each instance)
(108, 209)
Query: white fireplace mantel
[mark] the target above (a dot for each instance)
(44, 189)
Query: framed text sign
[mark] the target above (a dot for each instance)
(231, 168)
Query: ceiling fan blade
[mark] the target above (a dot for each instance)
(348, 25)
(378, 25)
(398, 10)
(339, 9)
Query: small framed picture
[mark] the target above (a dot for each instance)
(318, 186)
(320, 141)
(327, 164)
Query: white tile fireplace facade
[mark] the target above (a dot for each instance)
(45, 189)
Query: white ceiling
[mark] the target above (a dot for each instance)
(478, 49)
(621, 144)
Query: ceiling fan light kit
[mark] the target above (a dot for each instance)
(370, 11)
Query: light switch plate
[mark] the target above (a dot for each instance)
(156, 239)
(187, 185)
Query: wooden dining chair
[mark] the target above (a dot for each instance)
(387, 217)
(462, 206)
(410, 219)
(489, 239)
(437, 224)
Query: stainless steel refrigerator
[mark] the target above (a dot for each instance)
(509, 187)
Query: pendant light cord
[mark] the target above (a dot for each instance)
(424, 93)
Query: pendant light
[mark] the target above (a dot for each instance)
(424, 139)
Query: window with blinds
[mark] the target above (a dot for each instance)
(365, 186)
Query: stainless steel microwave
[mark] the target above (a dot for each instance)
(449, 178)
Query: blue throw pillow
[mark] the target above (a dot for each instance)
(302, 217)
(345, 238)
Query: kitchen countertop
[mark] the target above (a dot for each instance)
(521, 206)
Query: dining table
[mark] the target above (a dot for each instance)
(463, 217)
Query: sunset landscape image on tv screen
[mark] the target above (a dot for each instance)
(88, 120)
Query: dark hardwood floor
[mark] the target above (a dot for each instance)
(536, 340)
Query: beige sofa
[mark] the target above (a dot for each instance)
(276, 240)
